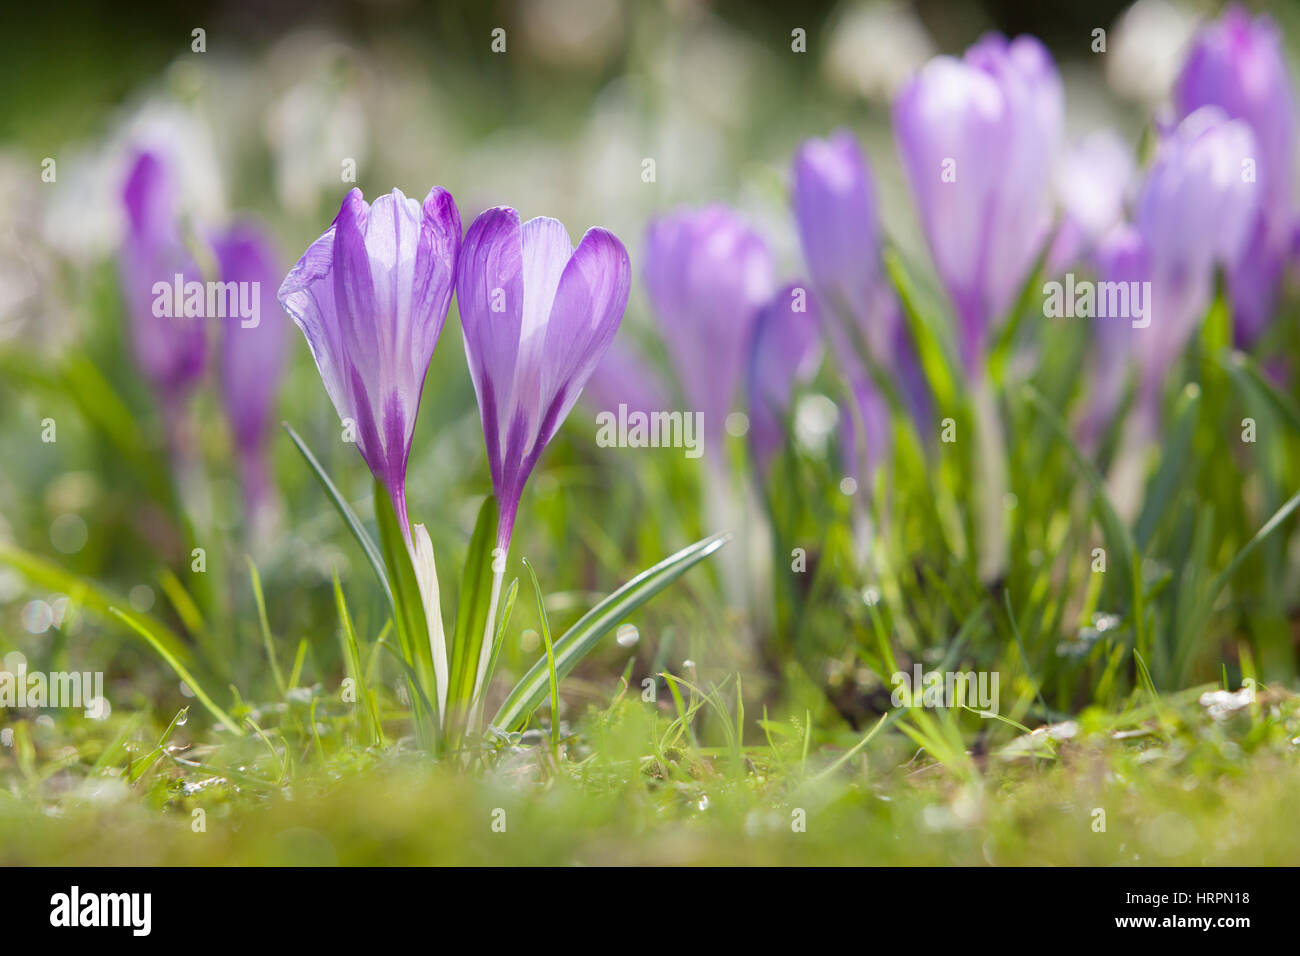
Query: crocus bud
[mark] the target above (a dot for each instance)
(371, 296)
(538, 316)
(1238, 64)
(786, 350)
(978, 137)
(254, 338)
(169, 346)
(835, 207)
(707, 274)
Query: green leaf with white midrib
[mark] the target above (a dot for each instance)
(578, 641)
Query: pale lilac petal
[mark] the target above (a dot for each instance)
(490, 293)
(589, 303)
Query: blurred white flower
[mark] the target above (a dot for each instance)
(1145, 49)
(318, 122)
(576, 34)
(84, 214)
(874, 47)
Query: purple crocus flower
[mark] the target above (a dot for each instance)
(1119, 256)
(371, 296)
(707, 274)
(786, 350)
(835, 207)
(252, 353)
(538, 316)
(977, 137)
(169, 347)
(1238, 64)
(837, 214)
(1194, 215)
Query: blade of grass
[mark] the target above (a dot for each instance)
(266, 627)
(550, 660)
(180, 669)
(345, 511)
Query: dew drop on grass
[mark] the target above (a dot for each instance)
(627, 635)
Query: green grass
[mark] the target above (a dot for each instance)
(1177, 785)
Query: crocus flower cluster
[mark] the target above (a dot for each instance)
(371, 296)
(171, 346)
(1238, 65)
(711, 282)
(1194, 214)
